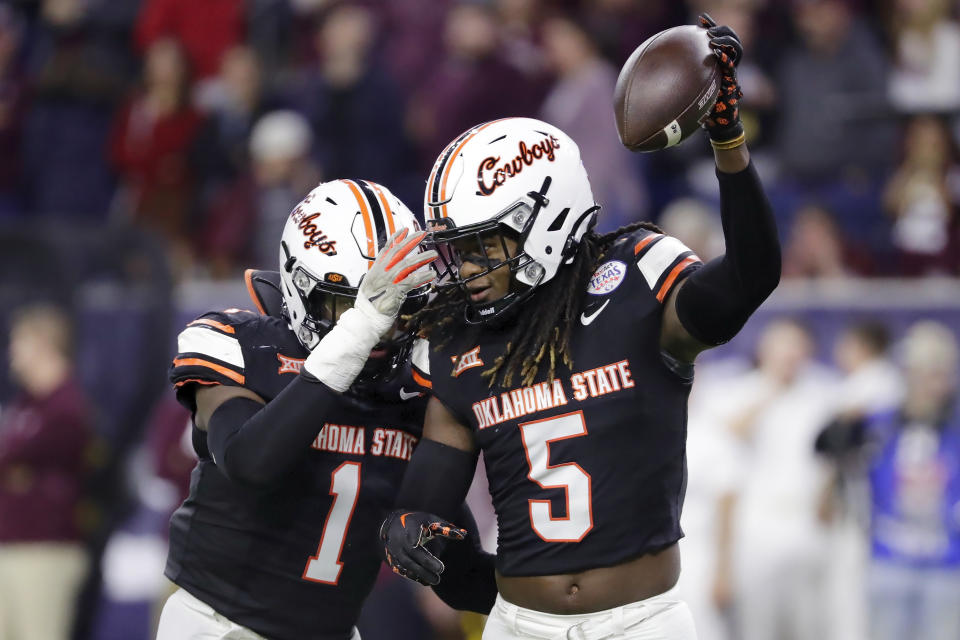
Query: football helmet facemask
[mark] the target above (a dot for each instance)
(515, 178)
(329, 242)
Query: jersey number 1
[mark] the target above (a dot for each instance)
(569, 476)
(344, 487)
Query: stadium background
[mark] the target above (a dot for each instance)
(151, 149)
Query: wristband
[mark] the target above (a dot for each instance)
(733, 143)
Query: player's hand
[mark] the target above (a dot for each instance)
(399, 267)
(723, 123)
(404, 533)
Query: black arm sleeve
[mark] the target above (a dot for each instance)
(256, 444)
(437, 479)
(716, 300)
(469, 581)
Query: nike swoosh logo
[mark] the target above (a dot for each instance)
(587, 319)
(406, 396)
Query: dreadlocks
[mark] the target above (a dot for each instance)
(537, 339)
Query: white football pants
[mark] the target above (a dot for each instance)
(662, 617)
(184, 617)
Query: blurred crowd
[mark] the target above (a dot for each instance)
(206, 121)
(824, 495)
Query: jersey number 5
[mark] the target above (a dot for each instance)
(344, 487)
(569, 476)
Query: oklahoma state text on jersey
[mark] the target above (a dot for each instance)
(296, 562)
(586, 470)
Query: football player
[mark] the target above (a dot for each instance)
(304, 421)
(567, 358)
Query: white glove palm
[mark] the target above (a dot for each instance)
(339, 357)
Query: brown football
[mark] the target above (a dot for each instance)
(666, 89)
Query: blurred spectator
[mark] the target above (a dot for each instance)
(915, 482)
(871, 382)
(926, 43)
(12, 105)
(354, 107)
(715, 469)
(620, 26)
(245, 219)
(149, 146)
(519, 31)
(219, 152)
(76, 74)
(473, 83)
(922, 198)
(269, 24)
(572, 105)
(696, 225)
(43, 435)
(207, 29)
(914, 476)
(412, 35)
(816, 248)
(777, 542)
(832, 92)
(171, 450)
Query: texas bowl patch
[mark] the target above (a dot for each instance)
(607, 277)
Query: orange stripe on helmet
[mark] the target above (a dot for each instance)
(367, 220)
(392, 228)
(197, 362)
(453, 156)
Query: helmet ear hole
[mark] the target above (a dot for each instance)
(557, 223)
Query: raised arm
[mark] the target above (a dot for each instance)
(255, 443)
(714, 302)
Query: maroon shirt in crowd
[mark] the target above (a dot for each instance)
(206, 29)
(42, 448)
(151, 155)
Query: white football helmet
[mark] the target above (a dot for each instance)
(329, 242)
(520, 176)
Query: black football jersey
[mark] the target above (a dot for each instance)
(295, 562)
(587, 470)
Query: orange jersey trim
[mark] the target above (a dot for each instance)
(668, 283)
(209, 383)
(213, 323)
(640, 245)
(233, 375)
(420, 380)
(367, 220)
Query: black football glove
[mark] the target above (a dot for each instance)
(404, 534)
(723, 123)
